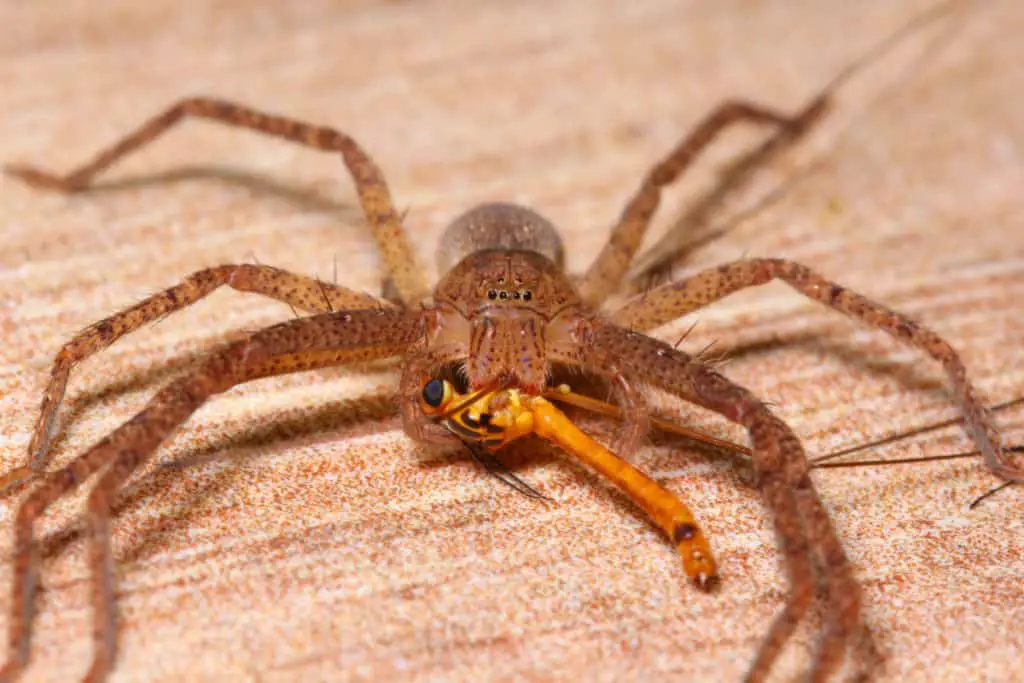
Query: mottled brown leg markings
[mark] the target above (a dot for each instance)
(806, 536)
(104, 627)
(605, 274)
(320, 341)
(299, 291)
(374, 195)
(635, 418)
(674, 300)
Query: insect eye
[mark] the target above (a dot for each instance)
(492, 294)
(516, 295)
(434, 393)
(503, 294)
(527, 295)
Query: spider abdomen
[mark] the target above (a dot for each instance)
(499, 226)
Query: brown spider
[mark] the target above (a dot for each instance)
(505, 315)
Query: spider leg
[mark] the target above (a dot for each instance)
(374, 196)
(304, 344)
(636, 418)
(299, 291)
(610, 266)
(673, 300)
(806, 536)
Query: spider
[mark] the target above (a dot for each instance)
(504, 317)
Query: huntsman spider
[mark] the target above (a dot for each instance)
(504, 316)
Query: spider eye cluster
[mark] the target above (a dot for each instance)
(507, 294)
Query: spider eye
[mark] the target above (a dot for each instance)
(434, 393)
(516, 295)
(527, 295)
(492, 294)
(503, 294)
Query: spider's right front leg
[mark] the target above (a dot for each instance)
(305, 344)
(298, 291)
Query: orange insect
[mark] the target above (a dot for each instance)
(495, 418)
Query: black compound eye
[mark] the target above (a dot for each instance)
(433, 393)
(492, 294)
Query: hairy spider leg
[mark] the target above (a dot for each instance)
(298, 291)
(325, 340)
(676, 299)
(399, 257)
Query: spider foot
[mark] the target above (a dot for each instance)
(43, 180)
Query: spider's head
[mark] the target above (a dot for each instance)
(504, 309)
(501, 281)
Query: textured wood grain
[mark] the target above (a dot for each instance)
(307, 539)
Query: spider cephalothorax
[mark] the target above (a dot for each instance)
(505, 309)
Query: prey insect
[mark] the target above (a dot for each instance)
(470, 417)
(507, 315)
(494, 418)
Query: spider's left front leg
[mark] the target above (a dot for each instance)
(325, 340)
(806, 536)
(670, 301)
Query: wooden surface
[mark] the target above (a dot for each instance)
(308, 539)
